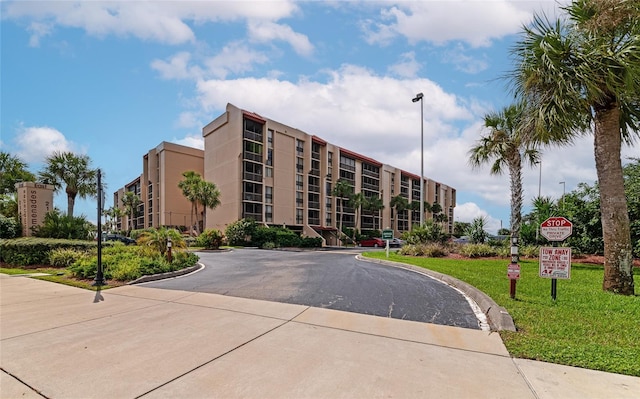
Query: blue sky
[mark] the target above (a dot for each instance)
(114, 79)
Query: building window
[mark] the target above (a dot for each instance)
(253, 130)
(347, 163)
(299, 216)
(268, 213)
(270, 138)
(313, 201)
(252, 151)
(314, 217)
(299, 164)
(270, 156)
(268, 195)
(299, 147)
(330, 164)
(252, 192)
(252, 171)
(268, 172)
(328, 220)
(299, 182)
(299, 199)
(252, 211)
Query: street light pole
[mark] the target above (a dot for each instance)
(563, 191)
(417, 98)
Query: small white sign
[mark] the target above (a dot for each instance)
(555, 262)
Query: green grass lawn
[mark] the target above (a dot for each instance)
(585, 327)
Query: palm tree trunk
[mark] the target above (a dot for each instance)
(70, 204)
(618, 260)
(515, 175)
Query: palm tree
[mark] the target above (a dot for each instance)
(209, 197)
(74, 172)
(580, 74)
(373, 204)
(199, 191)
(189, 187)
(130, 202)
(356, 201)
(158, 238)
(342, 190)
(12, 171)
(114, 213)
(505, 145)
(399, 204)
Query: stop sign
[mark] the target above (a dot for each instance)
(556, 228)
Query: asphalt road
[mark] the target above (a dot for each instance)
(327, 279)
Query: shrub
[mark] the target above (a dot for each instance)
(477, 250)
(57, 225)
(27, 251)
(428, 232)
(9, 227)
(158, 239)
(529, 251)
(311, 242)
(269, 245)
(287, 238)
(210, 239)
(476, 231)
(240, 232)
(65, 257)
(183, 259)
(431, 250)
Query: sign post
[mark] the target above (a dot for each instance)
(387, 234)
(555, 262)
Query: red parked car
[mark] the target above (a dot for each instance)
(372, 242)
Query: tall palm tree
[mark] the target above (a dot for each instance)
(209, 196)
(373, 204)
(189, 187)
(356, 201)
(399, 204)
(342, 191)
(131, 202)
(199, 191)
(72, 171)
(505, 145)
(113, 213)
(581, 74)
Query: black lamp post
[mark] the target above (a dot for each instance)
(417, 98)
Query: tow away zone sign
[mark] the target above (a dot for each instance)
(555, 262)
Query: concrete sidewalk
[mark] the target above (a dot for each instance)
(128, 342)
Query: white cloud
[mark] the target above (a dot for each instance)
(234, 58)
(164, 22)
(407, 67)
(459, 57)
(469, 210)
(195, 141)
(267, 31)
(34, 144)
(177, 67)
(476, 22)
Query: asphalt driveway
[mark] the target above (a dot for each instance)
(328, 279)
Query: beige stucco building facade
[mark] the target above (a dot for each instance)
(279, 175)
(161, 201)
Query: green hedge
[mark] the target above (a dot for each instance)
(26, 251)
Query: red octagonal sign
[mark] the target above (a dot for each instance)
(556, 228)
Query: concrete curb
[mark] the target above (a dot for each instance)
(498, 317)
(162, 276)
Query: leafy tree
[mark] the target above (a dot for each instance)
(506, 145)
(9, 205)
(428, 232)
(580, 74)
(399, 204)
(342, 191)
(582, 207)
(57, 225)
(131, 202)
(72, 171)
(12, 171)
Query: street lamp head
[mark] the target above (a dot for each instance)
(418, 97)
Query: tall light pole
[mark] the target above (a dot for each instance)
(563, 191)
(417, 98)
(539, 178)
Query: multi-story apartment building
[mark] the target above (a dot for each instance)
(279, 175)
(161, 201)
